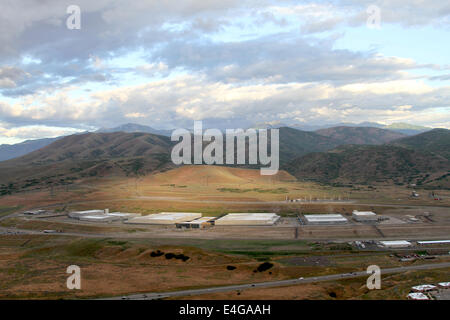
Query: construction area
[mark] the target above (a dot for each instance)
(247, 219)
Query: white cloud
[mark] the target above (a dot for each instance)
(36, 132)
(292, 74)
(187, 98)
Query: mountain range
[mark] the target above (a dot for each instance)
(422, 160)
(16, 150)
(90, 155)
(331, 157)
(133, 127)
(11, 151)
(400, 127)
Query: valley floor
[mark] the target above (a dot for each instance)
(118, 259)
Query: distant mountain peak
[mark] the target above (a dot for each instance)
(134, 127)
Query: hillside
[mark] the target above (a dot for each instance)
(11, 151)
(372, 165)
(436, 141)
(360, 135)
(296, 143)
(216, 174)
(402, 128)
(406, 128)
(87, 156)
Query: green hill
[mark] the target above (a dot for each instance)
(360, 135)
(436, 141)
(88, 155)
(364, 164)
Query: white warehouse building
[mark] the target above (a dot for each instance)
(327, 219)
(364, 216)
(165, 218)
(396, 244)
(247, 219)
(101, 215)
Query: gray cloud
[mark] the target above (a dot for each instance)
(291, 75)
(282, 58)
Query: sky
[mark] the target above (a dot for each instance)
(230, 63)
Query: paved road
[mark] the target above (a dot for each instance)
(160, 295)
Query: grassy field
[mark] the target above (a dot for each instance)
(4, 211)
(33, 266)
(393, 287)
(214, 190)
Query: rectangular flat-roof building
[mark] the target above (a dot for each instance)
(417, 296)
(78, 214)
(364, 216)
(165, 218)
(98, 218)
(101, 215)
(444, 285)
(424, 288)
(327, 219)
(247, 219)
(424, 243)
(396, 244)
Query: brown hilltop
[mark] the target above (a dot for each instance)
(87, 156)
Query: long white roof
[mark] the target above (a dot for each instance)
(324, 217)
(364, 213)
(121, 214)
(249, 216)
(433, 242)
(418, 296)
(170, 215)
(96, 217)
(396, 243)
(89, 212)
(424, 287)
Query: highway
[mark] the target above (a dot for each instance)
(161, 295)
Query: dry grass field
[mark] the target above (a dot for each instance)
(116, 258)
(393, 287)
(34, 266)
(214, 190)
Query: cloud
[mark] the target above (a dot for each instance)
(166, 63)
(282, 58)
(36, 132)
(180, 100)
(9, 76)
